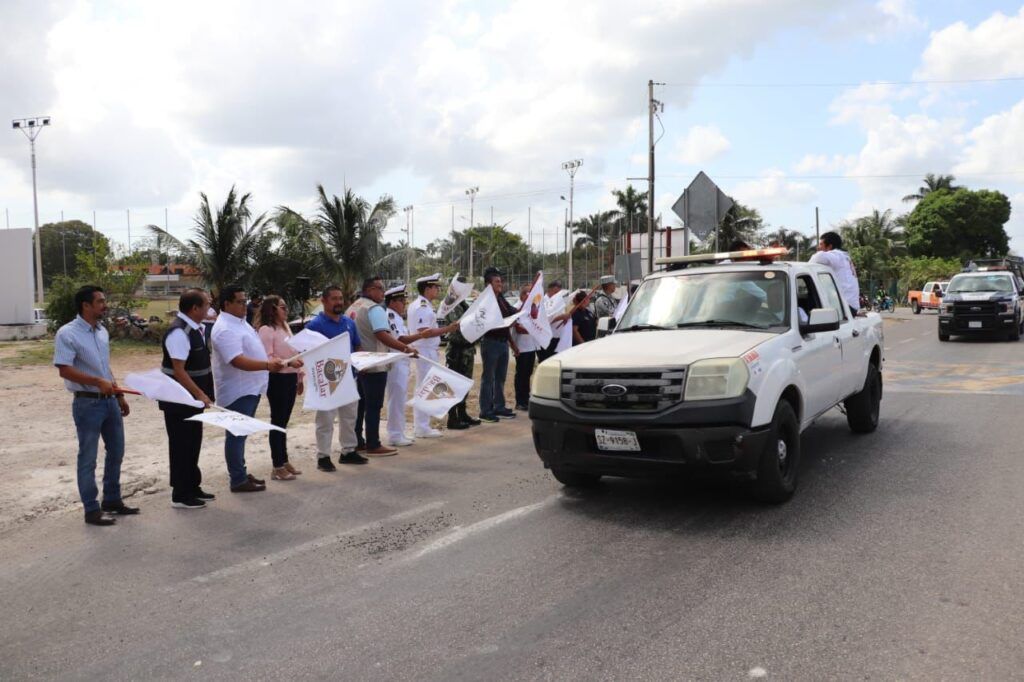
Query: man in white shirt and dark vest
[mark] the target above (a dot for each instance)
(186, 359)
(240, 375)
(422, 320)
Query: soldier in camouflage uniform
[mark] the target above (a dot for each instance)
(603, 304)
(459, 357)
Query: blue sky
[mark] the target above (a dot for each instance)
(422, 100)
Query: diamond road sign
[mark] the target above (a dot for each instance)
(702, 206)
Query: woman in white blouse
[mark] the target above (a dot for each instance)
(271, 322)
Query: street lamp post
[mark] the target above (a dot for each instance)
(408, 240)
(471, 193)
(32, 127)
(571, 167)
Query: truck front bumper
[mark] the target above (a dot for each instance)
(704, 442)
(976, 324)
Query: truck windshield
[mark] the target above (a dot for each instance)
(976, 283)
(757, 299)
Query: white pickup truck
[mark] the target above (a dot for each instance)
(717, 365)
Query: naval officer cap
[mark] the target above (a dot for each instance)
(397, 291)
(608, 279)
(430, 279)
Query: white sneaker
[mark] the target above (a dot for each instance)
(400, 442)
(432, 433)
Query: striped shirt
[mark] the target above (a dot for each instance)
(85, 348)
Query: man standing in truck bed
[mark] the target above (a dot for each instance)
(830, 253)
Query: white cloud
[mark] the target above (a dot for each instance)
(773, 190)
(824, 164)
(993, 49)
(701, 144)
(996, 145)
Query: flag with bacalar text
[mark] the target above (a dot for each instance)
(483, 316)
(236, 423)
(329, 380)
(363, 360)
(534, 318)
(440, 390)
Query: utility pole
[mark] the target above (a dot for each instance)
(471, 257)
(128, 214)
(817, 227)
(408, 241)
(570, 167)
(32, 127)
(167, 265)
(453, 237)
(529, 238)
(653, 106)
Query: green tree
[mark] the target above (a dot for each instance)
(932, 183)
(223, 240)
(960, 224)
(288, 249)
(740, 223)
(494, 245)
(800, 245)
(350, 234)
(632, 215)
(95, 267)
(61, 243)
(914, 272)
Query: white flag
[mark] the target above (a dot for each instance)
(329, 380)
(235, 422)
(440, 390)
(565, 337)
(363, 360)
(534, 317)
(483, 316)
(307, 339)
(457, 293)
(556, 304)
(156, 385)
(621, 307)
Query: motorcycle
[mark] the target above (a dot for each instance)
(884, 304)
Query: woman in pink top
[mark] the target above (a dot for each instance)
(271, 322)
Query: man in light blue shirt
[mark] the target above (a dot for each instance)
(81, 353)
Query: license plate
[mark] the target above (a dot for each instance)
(608, 439)
(974, 324)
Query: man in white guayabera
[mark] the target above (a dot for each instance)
(830, 253)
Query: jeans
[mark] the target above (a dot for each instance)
(234, 446)
(374, 385)
(524, 370)
(95, 417)
(494, 353)
(281, 392)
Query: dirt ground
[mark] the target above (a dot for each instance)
(38, 445)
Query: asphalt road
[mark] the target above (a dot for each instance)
(900, 557)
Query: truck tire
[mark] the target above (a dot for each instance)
(943, 337)
(915, 307)
(1015, 334)
(863, 407)
(780, 460)
(575, 479)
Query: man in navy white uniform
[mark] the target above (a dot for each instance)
(422, 320)
(398, 372)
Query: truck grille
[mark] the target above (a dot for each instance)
(976, 308)
(644, 391)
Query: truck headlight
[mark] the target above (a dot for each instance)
(716, 379)
(547, 380)
(1008, 306)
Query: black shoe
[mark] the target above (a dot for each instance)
(118, 508)
(188, 504)
(523, 408)
(457, 425)
(257, 481)
(488, 419)
(352, 458)
(98, 518)
(469, 420)
(507, 414)
(203, 495)
(325, 464)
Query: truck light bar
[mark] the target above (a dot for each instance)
(762, 255)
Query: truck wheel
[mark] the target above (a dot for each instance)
(1015, 334)
(780, 460)
(943, 337)
(915, 307)
(575, 479)
(862, 408)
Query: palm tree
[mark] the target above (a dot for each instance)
(350, 233)
(932, 183)
(632, 210)
(799, 244)
(223, 241)
(740, 223)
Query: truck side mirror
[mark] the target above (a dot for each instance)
(605, 325)
(821, 320)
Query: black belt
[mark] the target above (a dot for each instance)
(91, 394)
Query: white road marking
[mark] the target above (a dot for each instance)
(905, 341)
(757, 673)
(269, 560)
(460, 533)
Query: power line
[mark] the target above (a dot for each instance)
(842, 177)
(851, 84)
